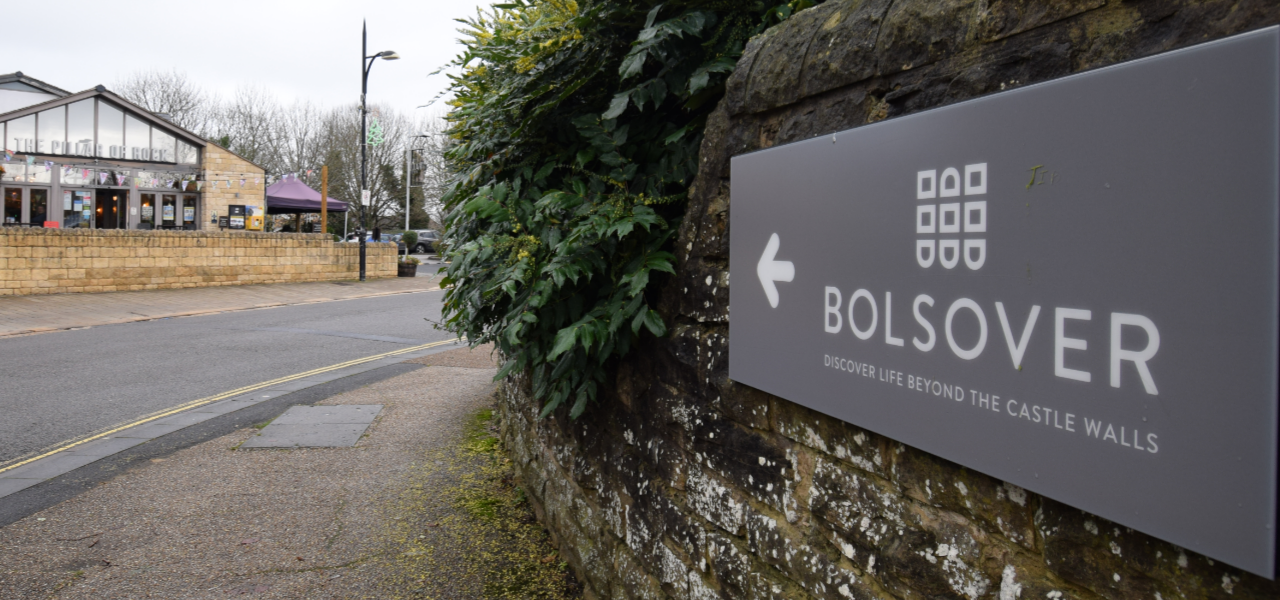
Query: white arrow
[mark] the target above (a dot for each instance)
(770, 270)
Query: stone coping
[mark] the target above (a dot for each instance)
(79, 232)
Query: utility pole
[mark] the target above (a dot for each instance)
(408, 178)
(408, 182)
(324, 198)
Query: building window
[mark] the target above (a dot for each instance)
(21, 136)
(169, 210)
(189, 212)
(12, 205)
(53, 131)
(39, 206)
(14, 172)
(187, 154)
(80, 128)
(148, 217)
(137, 138)
(110, 131)
(161, 146)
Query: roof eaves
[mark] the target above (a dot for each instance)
(18, 76)
(112, 96)
(35, 108)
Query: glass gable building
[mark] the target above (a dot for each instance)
(95, 160)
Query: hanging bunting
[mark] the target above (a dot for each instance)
(228, 184)
(309, 172)
(242, 183)
(119, 179)
(84, 173)
(198, 184)
(256, 181)
(102, 177)
(31, 160)
(8, 155)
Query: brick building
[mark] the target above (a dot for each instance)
(95, 160)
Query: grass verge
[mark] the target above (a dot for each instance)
(465, 529)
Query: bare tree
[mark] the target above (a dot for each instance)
(341, 152)
(300, 138)
(168, 92)
(248, 124)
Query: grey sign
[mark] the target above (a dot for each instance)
(1070, 286)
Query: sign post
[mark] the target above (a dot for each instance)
(1070, 286)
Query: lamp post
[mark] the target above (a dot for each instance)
(408, 179)
(366, 64)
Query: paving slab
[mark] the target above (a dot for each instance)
(307, 436)
(316, 427)
(350, 414)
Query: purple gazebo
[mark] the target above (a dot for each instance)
(292, 197)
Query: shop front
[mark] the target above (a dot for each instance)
(94, 160)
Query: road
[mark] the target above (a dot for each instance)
(63, 385)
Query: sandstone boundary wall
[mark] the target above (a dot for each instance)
(54, 261)
(682, 484)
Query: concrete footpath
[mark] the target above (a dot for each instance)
(22, 315)
(217, 519)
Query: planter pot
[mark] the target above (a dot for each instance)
(405, 270)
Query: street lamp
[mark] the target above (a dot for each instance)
(366, 64)
(408, 177)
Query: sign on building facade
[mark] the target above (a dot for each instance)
(1070, 286)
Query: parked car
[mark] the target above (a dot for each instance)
(386, 237)
(427, 239)
(398, 238)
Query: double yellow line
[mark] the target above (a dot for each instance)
(223, 396)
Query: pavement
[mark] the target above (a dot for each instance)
(196, 513)
(23, 315)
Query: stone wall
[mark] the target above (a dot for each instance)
(680, 483)
(222, 165)
(53, 261)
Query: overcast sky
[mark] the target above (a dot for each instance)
(296, 50)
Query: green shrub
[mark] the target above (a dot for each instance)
(410, 239)
(575, 130)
